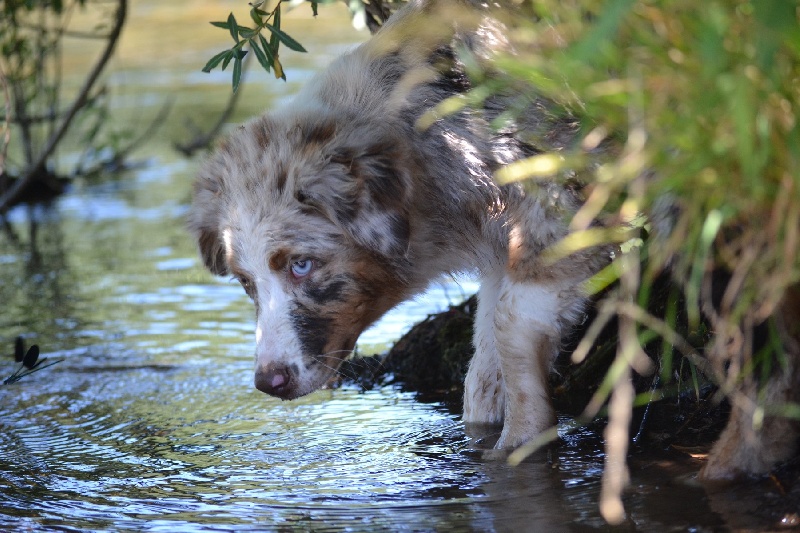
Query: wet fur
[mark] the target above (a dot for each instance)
(344, 177)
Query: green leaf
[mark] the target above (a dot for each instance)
(260, 55)
(603, 30)
(233, 27)
(228, 59)
(276, 22)
(267, 49)
(314, 6)
(237, 72)
(254, 14)
(272, 58)
(285, 39)
(245, 32)
(214, 61)
(224, 25)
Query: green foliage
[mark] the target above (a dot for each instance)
(705, 103)
(690, 116)
(267, 52)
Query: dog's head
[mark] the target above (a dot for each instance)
(310, 214)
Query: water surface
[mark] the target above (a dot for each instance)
(151, 423)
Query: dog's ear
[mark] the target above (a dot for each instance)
(366, 190)
(203, 222)
(212, 251)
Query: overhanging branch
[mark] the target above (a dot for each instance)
(13, 193)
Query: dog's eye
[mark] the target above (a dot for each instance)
(302, 268)
(247, 284)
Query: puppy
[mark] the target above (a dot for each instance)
(337, 207)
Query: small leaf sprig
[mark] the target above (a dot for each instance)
(30, 361)
(266, 51)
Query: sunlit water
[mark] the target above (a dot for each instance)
(151, 423)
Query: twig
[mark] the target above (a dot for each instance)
(615, 472)
(670, 335)
(201, 140)
(148, 133)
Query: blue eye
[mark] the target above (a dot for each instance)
(302, 268)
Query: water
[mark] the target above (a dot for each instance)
(158, 443)
(151, 423)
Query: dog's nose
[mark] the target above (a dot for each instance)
(273, 380)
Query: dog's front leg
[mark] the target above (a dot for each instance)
(484, 389)
(528, 334)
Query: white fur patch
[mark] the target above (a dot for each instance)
(527, 333)
(484, 388)
(276, 341)
(527, 303)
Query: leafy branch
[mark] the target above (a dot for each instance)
(266, 51)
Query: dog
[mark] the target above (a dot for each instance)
(335, 208)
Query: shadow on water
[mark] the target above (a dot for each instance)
(151, 422)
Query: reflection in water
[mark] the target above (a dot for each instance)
(36, 285)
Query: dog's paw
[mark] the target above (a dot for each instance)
(495, 454)
(517, 432)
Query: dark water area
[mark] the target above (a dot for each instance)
(150, 421)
